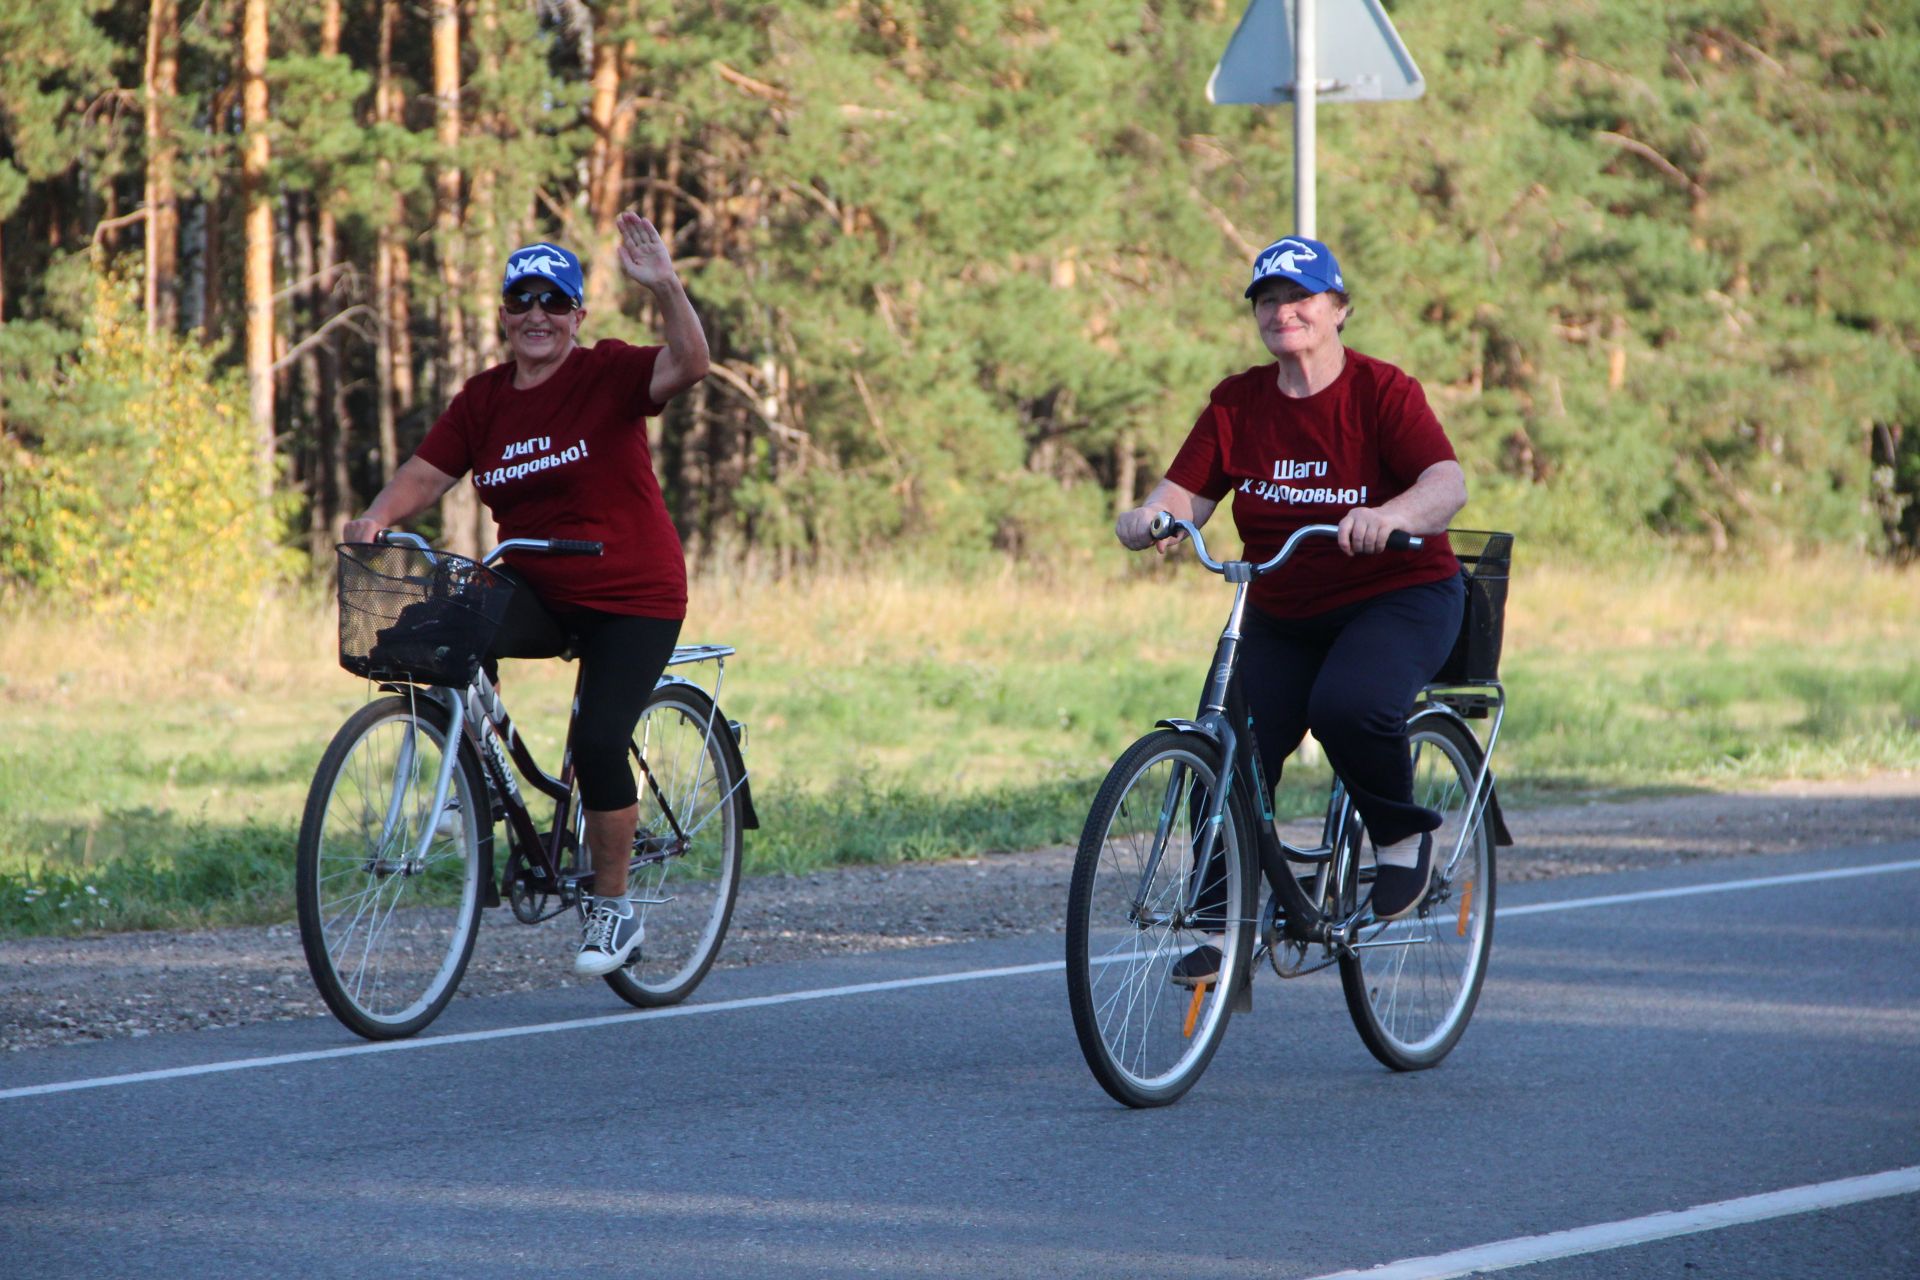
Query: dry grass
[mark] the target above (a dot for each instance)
(284, 647)
(1828, 601)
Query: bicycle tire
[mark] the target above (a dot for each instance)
(1412, 984)
(1145, 1039)
(388, 939)
(684, 892)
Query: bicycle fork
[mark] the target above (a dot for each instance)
(403, 787)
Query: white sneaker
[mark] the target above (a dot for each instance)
(610, 937)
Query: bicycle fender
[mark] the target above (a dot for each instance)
(1190, 726)
(1496, 820)
(729, 743)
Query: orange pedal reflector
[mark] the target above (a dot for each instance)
(1466, 905)
(1193, 1009)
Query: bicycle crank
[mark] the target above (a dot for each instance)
(1290, 957)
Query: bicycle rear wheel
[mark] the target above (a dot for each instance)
(387, 934)
(1129, 920)
(1411, 985)
(682, 883)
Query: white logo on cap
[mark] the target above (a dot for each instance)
(1284, 259)
(529, 264)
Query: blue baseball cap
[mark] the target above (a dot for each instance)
(1307, 263)
(548, 262)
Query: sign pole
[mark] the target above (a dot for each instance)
(1306, 81)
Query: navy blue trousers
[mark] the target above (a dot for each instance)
(1350, 675)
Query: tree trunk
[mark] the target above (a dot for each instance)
(390, 329)
(459, 510)
(163, 207)
(484, 220)
(212, 239)
(335, 425)
(611, 113)
(310, 446)
(259, 272)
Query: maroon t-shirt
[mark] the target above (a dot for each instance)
(569, 459)
(1359, 442)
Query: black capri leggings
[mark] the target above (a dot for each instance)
(621, 658)
(1350, 675)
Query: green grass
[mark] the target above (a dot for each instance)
(150, 779)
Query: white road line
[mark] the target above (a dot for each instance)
(1526, 1250)
(830, 993)
(538, 1029)
(1723, 886)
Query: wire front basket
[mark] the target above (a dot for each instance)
(422, 617)
(1484, 560)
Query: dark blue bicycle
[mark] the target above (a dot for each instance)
(1182, 830)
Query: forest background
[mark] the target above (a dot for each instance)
(968, 268)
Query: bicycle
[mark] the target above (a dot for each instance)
(396, 850)
(1167, 861)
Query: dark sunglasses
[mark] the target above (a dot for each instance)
(551, 301)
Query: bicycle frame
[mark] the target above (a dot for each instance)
(502, 752)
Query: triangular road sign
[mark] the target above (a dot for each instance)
(1360, 56)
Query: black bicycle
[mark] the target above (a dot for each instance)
(1183, 824)
(396, 852)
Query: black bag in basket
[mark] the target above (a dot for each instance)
(424, 617)
(1484, 560)
(429, 636)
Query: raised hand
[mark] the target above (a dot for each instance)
(643, 255)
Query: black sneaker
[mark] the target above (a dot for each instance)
(1397, 891)
(610, 937)
(1200, 965)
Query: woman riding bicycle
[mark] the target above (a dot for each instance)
(556, 440)
(1343, 642)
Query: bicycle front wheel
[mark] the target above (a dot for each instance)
(686, 869)
(1138, 905)
(388, 923)
(1412, 984)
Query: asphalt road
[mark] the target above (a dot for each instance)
(1754, 1048)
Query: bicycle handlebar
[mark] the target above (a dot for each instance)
(1164, 524)
(551, 546)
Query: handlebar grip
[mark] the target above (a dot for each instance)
(1161, 527)
(574, 547)
(1401, 540)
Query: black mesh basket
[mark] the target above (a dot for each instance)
(418, 616)
(1484, 557)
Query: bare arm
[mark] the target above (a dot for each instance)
(1131, 527)
(684, 359)
(415, 486)
(1435, 498)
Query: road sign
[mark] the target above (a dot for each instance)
(1359, 56)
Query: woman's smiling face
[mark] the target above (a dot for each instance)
(534, 337)
(1296, 324)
